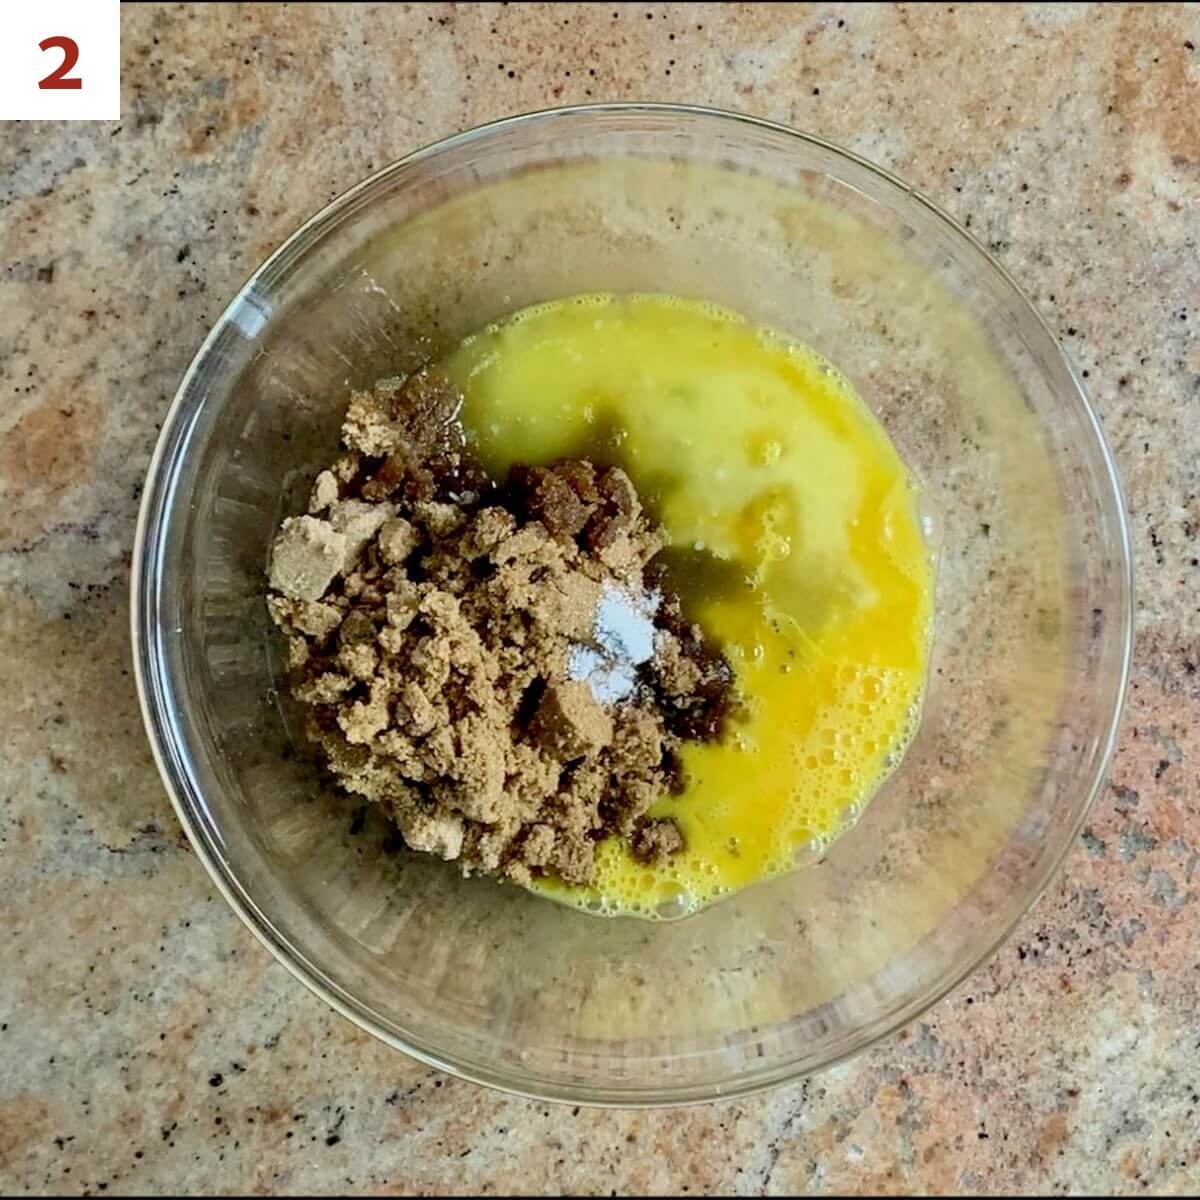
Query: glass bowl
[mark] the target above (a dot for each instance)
(1030, 647)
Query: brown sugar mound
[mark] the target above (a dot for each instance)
(446, 633)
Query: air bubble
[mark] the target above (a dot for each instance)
(807, 851)
(673, 907)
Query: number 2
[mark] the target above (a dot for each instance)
(59, 79)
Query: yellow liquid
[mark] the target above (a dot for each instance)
(796, 540)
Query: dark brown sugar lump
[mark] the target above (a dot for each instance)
(491, 661)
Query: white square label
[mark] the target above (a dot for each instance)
(60, 60)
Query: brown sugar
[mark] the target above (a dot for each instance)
(655, 841)
(448, 636)
(570, 722)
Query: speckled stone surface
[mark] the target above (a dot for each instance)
(148, 1043)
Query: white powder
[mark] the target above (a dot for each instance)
(609, 681)
(623, 639)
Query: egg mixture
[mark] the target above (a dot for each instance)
(795, 540)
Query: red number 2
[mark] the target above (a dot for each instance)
(58, 78)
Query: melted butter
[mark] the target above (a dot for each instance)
(795, 540)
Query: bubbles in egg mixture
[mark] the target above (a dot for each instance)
(808, 560)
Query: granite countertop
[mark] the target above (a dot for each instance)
(149, 1043)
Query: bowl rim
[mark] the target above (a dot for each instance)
(201, 838)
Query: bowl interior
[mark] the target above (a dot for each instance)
(1030, 639)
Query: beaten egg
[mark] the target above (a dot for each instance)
(795, 539)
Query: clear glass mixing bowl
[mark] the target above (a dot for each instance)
(1031, 642)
